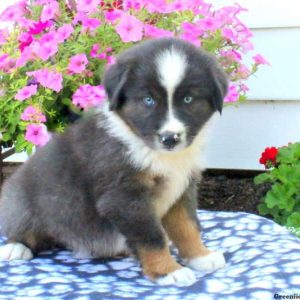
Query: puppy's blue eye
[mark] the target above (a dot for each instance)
(187, 99)
(150, 102)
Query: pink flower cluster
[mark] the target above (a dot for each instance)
(37, 134)
(26, 92)
(48, 79)
(91, 31)
(46, 46)
(87, 96)
(104, 55)
(33, 114)
(77, 63)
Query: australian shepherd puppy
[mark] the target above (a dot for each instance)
(124, 178)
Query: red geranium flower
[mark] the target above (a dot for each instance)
(268, 157)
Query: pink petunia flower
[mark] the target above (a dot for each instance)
(48, 79)
(260, 60)
(14, 13)
(37, 134)
(154, 6)
(49, 11)
(130, 29)
(26, 92)
(77, 63)
(87, 96)
(231, 55)
(227, 33)
(46, 46)
(102, 55)
(243, 72)
(191, 33)
(90, 23)
(155, 32)
(87, 6)
(32, 114)
(244, 88)
(94, 51)
(39, 27)
(232, 94)
(25, 40)
(87, 23)
(3, 58)
(113, 16)
(26, 56)
(48, 38)
(100, 94)
(130, 4)
(44, 51)
(25, 23)
(64, 32)
(111, 60)
(209, 24)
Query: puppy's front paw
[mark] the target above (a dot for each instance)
(180, 277)
(15, 251)
(208, 263)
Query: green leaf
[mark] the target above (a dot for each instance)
(262, 178)
(6, 137)
(29, 148)
(66, 101)
(294, 220)
(263, 209)
(281, 195)
(20, 138)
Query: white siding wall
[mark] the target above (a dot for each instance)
(243, 132)
(272, 116)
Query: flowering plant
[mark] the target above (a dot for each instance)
(282, 201)
(52, 59)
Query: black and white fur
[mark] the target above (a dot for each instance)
(84, 190)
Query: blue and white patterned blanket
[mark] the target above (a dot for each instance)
(263, 259)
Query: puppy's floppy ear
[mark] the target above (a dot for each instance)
(221, 87)
(114, 80)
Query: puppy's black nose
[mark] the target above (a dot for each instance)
(169, 139)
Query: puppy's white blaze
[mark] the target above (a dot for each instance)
(171, 66)
(176, 166)
(173, 125)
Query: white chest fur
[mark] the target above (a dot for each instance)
(175, 167)
(176, 172)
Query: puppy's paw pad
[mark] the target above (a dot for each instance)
(181, 277)
(207, 263)
(15, 251)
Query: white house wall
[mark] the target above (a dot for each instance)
(243, 132)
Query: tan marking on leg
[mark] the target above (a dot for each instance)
(37, 242)
(184, 233)
(158, 262)
(30, 240)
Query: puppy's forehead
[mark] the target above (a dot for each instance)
(171, 64)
